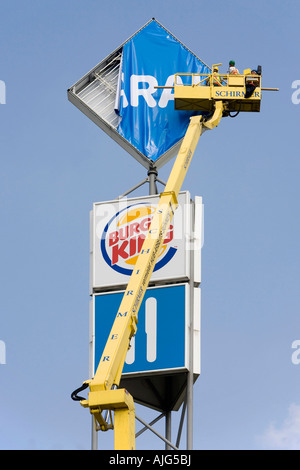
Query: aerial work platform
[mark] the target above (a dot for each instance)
(216, 95)
(200, 91)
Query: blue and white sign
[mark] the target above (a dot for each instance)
(119, 94)
(148, 119)
(161, 341)
(118, 231)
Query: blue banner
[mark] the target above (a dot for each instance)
(148, 118)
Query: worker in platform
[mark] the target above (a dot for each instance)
(251, 84)
(232, 68)
(217, 81)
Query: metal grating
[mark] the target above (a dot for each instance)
(100, 93)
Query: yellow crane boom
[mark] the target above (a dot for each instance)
(103, 394)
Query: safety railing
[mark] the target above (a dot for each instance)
(215, 79)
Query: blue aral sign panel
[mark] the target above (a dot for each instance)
(160, 341)
(120, 94)
(148, 119)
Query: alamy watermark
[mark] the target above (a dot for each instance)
(296, 93)
(2, 352)
(296, 354)
(2, 92)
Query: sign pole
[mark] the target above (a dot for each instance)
(94, 436)
(190, 378)
(168, 428)
(152, 175)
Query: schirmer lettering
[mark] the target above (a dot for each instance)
(233, 94)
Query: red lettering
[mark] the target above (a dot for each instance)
(135, 245)
(113, 238)
(119, 251)
(132, 246)
(169, 235)
(133, 229)
(125, 245)
(123, 233)
(145, 224)
(140, 242)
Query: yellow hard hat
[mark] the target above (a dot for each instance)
(216, 69)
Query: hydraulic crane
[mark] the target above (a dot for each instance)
(196, 92)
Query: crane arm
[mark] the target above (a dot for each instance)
(124, 326)
(102, 396)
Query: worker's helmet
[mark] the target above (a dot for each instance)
(231, 62)
(216, 69)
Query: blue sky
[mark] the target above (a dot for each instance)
(55, 163)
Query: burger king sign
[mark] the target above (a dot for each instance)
(118, 230)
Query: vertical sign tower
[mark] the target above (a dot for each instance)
(120, 95)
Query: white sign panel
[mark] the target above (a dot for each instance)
(118, 230)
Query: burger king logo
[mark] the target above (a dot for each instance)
(123, 237)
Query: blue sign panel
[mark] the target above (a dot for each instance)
(159, 343)
(148, 118)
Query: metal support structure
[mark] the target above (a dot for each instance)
(150, 424)
(133, 188)
(168, 428)
(190, 378)
(94, 436)
(157, 433)
(152, 175)
(181, 424)
(151, 179)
